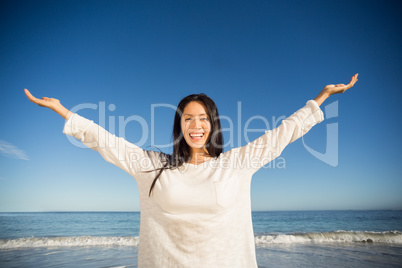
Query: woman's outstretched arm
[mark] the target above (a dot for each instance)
(51, 103)
(334, 89)
(113, 149)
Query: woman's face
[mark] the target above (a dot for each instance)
(195, 125)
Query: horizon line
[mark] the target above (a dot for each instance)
(134, 211)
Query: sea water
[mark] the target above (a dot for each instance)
(283, 239)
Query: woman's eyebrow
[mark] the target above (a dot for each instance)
(193, 115)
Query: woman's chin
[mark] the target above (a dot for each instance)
(196, 146)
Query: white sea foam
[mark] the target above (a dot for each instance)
(392, 237)
(35, 242)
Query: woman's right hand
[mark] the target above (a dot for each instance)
(44, 102)
(51, 103)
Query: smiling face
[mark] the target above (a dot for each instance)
(195, 125)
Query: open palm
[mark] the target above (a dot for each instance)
(340, 88)
(44, 102)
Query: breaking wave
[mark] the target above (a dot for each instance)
(36, 242)
(390, 237)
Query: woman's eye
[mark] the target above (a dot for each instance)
(187, 119)
(204, 119)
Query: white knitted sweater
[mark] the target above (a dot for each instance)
(197, 215)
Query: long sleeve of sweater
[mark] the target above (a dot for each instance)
(270, 145)
(113, 149)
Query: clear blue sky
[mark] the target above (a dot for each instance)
(271, 56)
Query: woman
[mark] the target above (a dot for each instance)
(195, 203)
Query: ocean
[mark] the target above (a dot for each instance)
(283, 239)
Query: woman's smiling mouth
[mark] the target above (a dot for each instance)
(196, 136)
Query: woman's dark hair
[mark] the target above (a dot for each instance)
(181, 150)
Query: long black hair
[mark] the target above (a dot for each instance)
(181, 150)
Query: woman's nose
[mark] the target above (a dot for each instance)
(196, 123)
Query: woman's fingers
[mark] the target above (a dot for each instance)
(44, 102)
(352, 82)
(354, 79)
(30, 96)
(340, 88)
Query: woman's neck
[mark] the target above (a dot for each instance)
(199, 157)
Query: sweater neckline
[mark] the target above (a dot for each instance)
(203, 163)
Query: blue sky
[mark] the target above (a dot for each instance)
(254, 58)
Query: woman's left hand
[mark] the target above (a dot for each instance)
(340, 88)
(334, 89)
